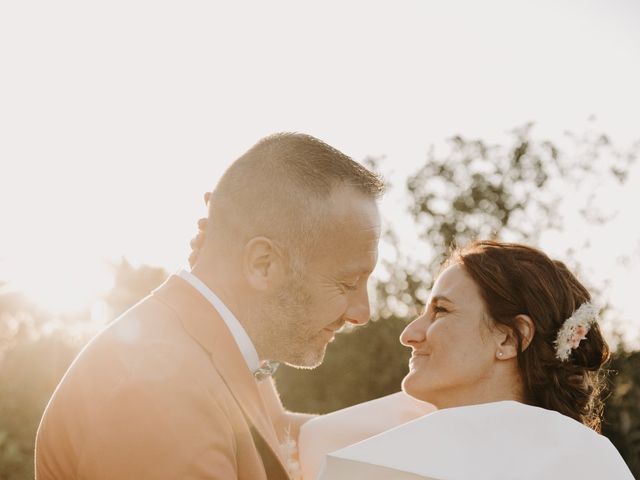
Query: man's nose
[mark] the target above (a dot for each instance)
(358, 311)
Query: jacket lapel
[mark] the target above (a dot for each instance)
(272, 464)
(203, 322)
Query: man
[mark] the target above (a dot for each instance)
(175, 387)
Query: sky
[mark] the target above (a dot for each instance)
(116, 116)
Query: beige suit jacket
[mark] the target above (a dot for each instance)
(162, 393)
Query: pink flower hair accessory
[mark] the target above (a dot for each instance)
(575, 329)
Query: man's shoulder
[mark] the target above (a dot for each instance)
(139, 378)
(148, 335)
(149, 318)
(147, 343)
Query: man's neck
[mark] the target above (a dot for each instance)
(223, 289)
(222, 283)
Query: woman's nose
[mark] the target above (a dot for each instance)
(414, 333)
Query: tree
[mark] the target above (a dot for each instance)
(621, 423)
(131, 285)
(511, 192)
(32, 361)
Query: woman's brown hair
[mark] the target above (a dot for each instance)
(520, 280)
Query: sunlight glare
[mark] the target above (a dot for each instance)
(60, 285)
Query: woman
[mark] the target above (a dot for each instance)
(490, 332)
(508, 340)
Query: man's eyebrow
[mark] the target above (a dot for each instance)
(355, 270)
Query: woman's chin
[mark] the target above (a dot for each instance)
(411, 386)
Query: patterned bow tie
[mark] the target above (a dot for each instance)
(266, 369)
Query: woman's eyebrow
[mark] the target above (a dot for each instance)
(433, 301)
(440, 297)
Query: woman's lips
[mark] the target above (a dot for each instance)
(417, 357)
(421, 354)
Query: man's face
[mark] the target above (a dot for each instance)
(332, 290)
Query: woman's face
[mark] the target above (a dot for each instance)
(454, 350)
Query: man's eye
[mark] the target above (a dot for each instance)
(437, 309)
(349, 286)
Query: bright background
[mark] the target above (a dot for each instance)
(116, 116)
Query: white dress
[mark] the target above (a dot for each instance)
(495, 441)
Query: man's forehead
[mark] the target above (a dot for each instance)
(346, 205)
(353, 242)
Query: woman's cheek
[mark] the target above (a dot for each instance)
(434, 333)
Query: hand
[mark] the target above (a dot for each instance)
(197, 241)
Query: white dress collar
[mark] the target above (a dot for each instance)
(492, 441)
(238, 332)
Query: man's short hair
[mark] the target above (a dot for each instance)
(278, 189)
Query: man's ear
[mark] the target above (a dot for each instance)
(507, 341)
(263, 263)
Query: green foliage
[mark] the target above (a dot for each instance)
(622, 412)
(28, 375)
(509, 192)
(131, 285)
(31, 365)
(360, 365)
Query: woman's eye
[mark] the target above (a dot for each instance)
(438, 309)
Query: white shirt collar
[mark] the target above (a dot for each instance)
(235, 327)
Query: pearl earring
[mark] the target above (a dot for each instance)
(500, 354)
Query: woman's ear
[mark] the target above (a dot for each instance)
(263, 263)
(507, 340)
(527, 330)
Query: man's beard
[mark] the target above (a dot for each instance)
(288, 335)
